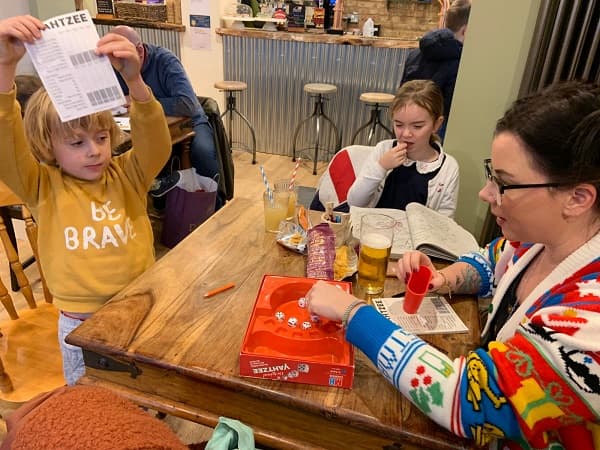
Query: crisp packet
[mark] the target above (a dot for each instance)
(346, 262)
(321, 252)
(292, 237)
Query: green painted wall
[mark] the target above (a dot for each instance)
(493, 60)
(44, 9)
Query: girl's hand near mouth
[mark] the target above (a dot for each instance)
(394, 157)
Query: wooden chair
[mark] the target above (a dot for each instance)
(6, 385)
(9, 199)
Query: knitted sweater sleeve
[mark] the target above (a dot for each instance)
(151, 143)
(537, 387)
(19, 168)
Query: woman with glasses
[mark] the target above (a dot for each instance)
(535, 380)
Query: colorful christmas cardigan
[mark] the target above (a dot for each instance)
(536, 386)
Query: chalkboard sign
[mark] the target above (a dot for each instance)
(104, 6)
(296, 16)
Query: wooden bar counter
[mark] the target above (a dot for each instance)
(323, 38)
(163, 345)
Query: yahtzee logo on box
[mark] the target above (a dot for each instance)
(271, 369)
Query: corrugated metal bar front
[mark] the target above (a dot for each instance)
(163, 38)
(276, 72)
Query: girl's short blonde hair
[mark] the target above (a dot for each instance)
(41, 122)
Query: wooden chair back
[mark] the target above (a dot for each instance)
(9, 199)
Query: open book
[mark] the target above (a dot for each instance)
(421, 228)
(435, 315)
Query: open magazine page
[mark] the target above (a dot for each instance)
(402, 240)
(435, 315)
(78, 81)
(438, 235)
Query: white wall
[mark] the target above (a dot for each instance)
(17, 8)
(204, 67)
(44, 9)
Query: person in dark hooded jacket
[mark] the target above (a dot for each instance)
(438, 55)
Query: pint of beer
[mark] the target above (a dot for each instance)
(376, 236)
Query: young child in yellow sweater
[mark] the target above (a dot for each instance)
(90, 207)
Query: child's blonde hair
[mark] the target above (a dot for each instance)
(423, 93)
(41, 121)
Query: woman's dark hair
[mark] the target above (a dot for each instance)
(548, 122)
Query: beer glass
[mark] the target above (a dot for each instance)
(376, 237)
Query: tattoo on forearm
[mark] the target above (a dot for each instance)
(468, 281)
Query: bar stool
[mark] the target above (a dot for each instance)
(231, 87)
(378, 101)
(319, 91)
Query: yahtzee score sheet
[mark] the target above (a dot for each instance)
(435, 315)
(78, 81)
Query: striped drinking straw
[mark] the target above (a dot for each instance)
(293, 179)
(266, 183)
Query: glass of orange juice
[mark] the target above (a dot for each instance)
(276, 209)
(284, 185)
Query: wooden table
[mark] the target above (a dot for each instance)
(179, 351)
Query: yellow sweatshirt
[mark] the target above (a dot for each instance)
(94, 237)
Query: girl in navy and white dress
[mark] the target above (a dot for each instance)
(413, 167)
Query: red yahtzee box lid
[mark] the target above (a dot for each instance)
(308, 349)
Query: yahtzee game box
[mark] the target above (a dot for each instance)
(285, 342)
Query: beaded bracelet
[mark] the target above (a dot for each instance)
(446, 283)
(349, 309)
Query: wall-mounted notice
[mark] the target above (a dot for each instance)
(200, 24)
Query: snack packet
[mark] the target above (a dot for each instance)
(292, 237)
(321, 252)
(346, 262)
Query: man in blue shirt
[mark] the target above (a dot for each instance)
(164, 73)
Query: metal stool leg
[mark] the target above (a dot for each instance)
(319, 106)
(375, 116)
(299, 127)
(338, 135)
(318, 113)
(380, 123)
(231, 109)
(372, 124)
(251, 131)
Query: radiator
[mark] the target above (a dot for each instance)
(163, 38)
(276, 72)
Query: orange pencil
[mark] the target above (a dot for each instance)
(219, 290)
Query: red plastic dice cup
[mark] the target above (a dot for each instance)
(416, 288)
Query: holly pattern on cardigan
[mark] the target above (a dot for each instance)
(536, 387)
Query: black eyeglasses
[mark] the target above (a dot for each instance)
(500, 187)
